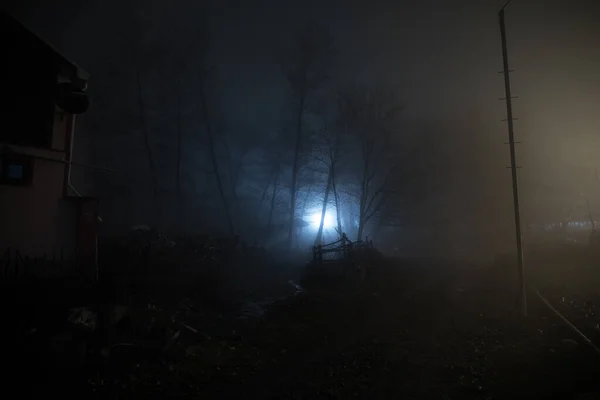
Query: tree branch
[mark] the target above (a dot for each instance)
(378, 193)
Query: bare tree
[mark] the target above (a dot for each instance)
(324, 208)
(273, 199)
(178, 160)
(198, 45)
(304, 204)
(305, 70)
(331, 140)
(213, 156)
(372, 116)
(235, 156)
(338, 205)
(145, 134)
(209, 126)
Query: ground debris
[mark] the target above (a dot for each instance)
(83, 317)
(420, 340)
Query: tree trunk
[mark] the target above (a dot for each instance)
(178, 168)
(324, 208)
(338, 212)
(273, 196)
(255, 223)
(214, 161)
(336, 197)
(308, 193)
(295, 168)
(362, 205)
(361, 227)
(154, 177)
(232, 180)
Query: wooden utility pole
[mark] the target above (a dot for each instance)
(513, 161)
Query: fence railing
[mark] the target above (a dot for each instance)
(15, 264)
(341, 249)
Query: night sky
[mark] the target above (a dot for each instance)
(441, 57)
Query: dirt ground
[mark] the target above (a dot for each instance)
(415, 330)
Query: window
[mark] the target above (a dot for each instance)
(14, 172)
(16, 169)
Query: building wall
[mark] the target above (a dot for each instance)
(36, 219)
(82, 178)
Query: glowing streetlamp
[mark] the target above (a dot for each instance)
(315, 220)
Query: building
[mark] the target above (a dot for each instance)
(41, 212)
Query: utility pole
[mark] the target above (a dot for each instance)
(513, 162)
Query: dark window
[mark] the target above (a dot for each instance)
(14, 172)
(16, 169)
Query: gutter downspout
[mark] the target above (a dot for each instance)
(70, 139)
(69, 142)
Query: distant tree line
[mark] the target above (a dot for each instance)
(188, 165)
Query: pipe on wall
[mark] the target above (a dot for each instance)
(69, 142)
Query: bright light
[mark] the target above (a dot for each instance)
(315, 220)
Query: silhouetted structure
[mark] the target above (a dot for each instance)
(41, 213)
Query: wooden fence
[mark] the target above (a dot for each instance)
(14, 264)
(339, 250)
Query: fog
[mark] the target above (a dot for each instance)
(451, 189)
(300, 199)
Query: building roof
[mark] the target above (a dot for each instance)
(15, 31)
